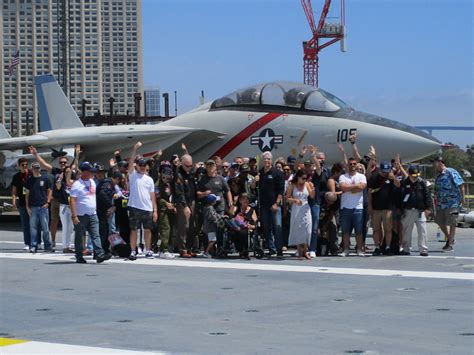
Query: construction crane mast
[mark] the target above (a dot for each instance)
(334, 31)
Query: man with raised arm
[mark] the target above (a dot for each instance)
(141, 203)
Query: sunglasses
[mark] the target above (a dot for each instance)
(63, 162)
(24, 165)
(352, 164)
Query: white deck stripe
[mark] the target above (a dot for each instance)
(212, 264)
(34, 347)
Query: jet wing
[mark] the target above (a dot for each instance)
(102, 141)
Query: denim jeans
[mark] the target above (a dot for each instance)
(41, 215)
(272, 231)
(315, 210)
(25, 223)
(91, 225)
(106, 228)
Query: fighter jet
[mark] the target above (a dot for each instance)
(279, 117)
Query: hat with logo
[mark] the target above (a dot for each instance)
(86, 166)
(99, 167)
(244, 168)
(141, 162)
(413, 170)
(385, 167)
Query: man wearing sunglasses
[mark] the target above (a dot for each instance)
(18, 199)
(38, 199)
(60, 202)
(185, 197)
(141, 203)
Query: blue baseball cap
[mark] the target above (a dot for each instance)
(385, 167)
(86, 166)
(211, 198)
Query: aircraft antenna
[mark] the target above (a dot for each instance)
(311, 48)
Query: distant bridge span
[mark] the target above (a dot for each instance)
(430, 129)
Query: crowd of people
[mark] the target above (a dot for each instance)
(155, 207)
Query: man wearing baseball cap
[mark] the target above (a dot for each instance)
(449, 190)
(84, 213)
(416, 205)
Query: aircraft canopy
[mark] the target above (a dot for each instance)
(283, 94)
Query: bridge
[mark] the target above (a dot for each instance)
(430, 129)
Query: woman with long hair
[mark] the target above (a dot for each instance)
(300, 223)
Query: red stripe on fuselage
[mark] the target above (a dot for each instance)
(245, 133)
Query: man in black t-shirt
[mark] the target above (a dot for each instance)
(18, 199)
(382, 184)
(38, 199)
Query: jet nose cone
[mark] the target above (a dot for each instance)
(411, 143)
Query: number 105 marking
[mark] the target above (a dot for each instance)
(344, 134)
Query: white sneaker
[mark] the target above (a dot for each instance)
(312, 254)
(149, 254)
(167, 255)
(344, 253)
(26, 248)
(140, 251)
(360, 253)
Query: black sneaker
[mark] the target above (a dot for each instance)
(81, 261)
(280, 254)
(376, 252)
(270, 253)
(423, 254)
(446, 246)
(133, 256)
(103, 257)
(50, 250)
(404, 252)
(388, 252)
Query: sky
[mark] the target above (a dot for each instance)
(407, 60)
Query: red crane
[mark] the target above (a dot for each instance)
(312, 47)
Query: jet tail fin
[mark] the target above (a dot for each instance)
(55, 110)
(3, 132)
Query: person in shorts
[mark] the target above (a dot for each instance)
(449, 190)
(141, 203)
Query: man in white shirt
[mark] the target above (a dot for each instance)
(84, 214)
(352, 185)
(141, 203)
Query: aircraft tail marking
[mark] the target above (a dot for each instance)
(3, 132)
(245, 133)
(55, 111)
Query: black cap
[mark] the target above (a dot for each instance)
(244, 168)
(235, 166)
(438, 158)
(117, 175)
(86, 166)
(291, 160)
(122, 164)
(413, 170)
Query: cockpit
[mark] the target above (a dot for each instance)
(282, 94)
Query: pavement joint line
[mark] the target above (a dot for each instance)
(211, 264)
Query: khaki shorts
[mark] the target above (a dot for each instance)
(55, 210)
(445, 217)
(382, 217)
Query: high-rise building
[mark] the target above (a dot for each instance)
(93, 47)
(152, 102)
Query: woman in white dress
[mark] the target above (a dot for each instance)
(300, 222)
